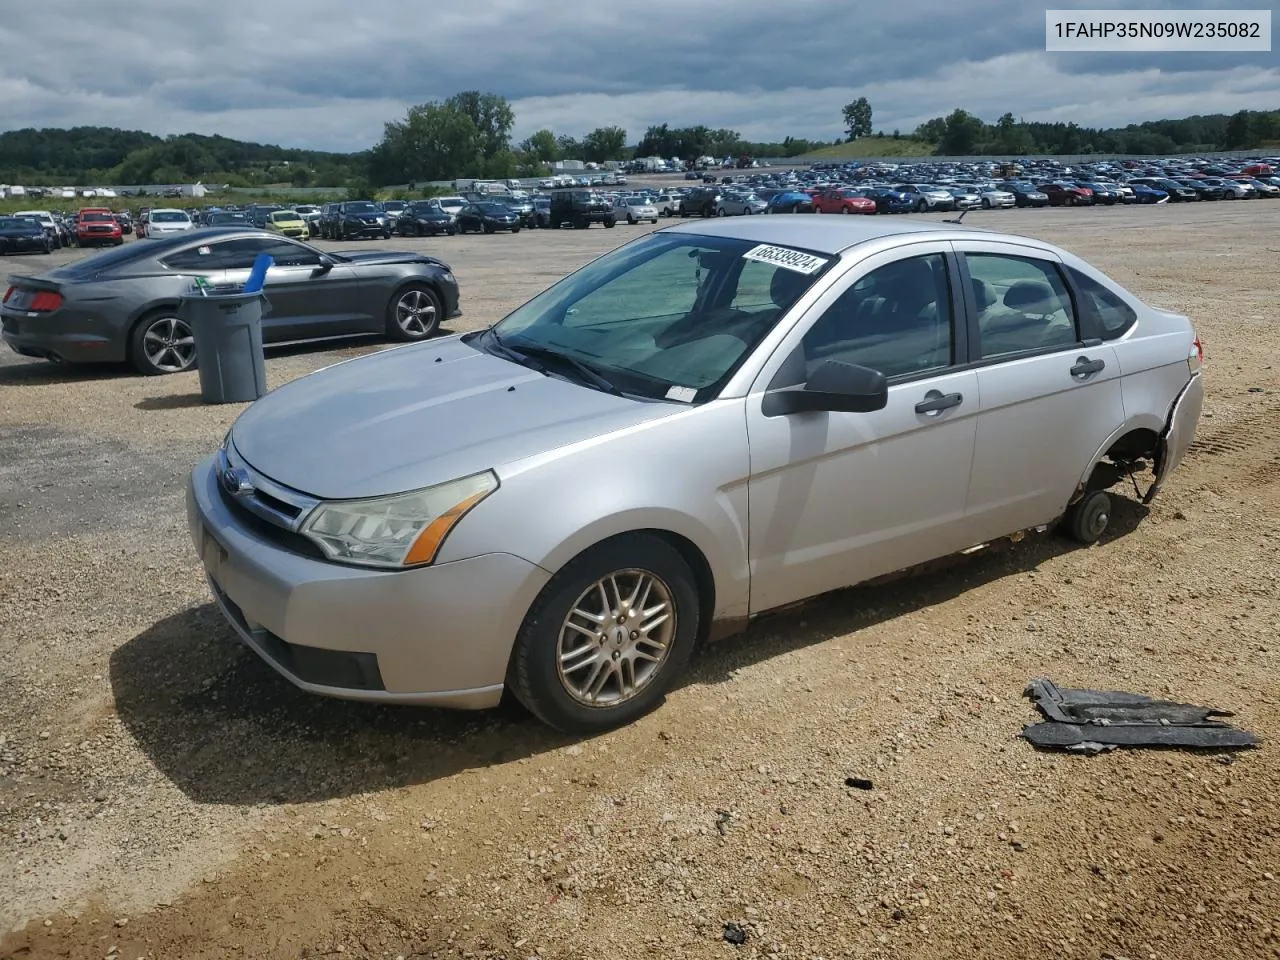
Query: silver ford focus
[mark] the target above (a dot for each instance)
(710, 422)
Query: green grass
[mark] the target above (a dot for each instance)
(869, 148)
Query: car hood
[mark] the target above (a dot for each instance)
(414, 416)
(390, 256)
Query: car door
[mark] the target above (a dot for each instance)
(1049, 398)
(309, 296)
(838, 498)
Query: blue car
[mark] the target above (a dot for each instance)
(790, 201)
(1144, 194)
(888, 200)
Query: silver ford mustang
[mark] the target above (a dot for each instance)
(715, 420)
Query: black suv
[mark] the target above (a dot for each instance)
(579, 207)
(360, 218)
(328, 217)
(700, 202)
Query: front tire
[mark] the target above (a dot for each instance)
(414, 313)
(607, 637)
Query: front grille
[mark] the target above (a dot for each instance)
(281, 537)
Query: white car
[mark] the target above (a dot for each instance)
(635, 209)
(166, 221)
(451, 205)
(993, 198)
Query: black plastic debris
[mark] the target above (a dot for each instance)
(858, 783)
(1092, 721)
(735, 934)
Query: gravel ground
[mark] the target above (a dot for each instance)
(165, 795)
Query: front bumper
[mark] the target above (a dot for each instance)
(351, 228)
(439, 635)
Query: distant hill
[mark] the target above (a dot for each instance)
(106, 155)
(871, 147)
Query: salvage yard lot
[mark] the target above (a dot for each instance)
(163, 793)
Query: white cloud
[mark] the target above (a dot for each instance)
(328, 75)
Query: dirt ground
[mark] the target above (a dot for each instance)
(165, 795)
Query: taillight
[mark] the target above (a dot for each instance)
(1196, 357)
(7, 294)
(45, 302)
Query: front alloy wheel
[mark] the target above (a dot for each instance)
(607, 636)
(163, 343)
(414, 314)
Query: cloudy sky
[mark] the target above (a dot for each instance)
(328, 75)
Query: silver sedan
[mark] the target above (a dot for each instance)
(635, 209)
(832, 399)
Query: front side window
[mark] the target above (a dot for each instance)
(896, 319)
(1022, 305)
(671, 316)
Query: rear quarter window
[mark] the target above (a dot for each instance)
(1102, 312)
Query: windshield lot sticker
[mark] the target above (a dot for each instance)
(788, 259)
(682, 394)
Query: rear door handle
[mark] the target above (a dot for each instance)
(935, 402)
(1086, 368)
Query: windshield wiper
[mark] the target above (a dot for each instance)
(583, 370)
(498, 345)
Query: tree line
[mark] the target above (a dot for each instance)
(469, 134)
(961, 133)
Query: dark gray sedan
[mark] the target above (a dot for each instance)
(123, 304)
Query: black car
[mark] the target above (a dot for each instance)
(487, 216)
(123, 304)
(542, 212)
(1206, 191)
(328, 220)
(360, 218)
(1025, 194)
(579, 207)
(701, 202)
(425, 219)
(522, 208)
(24, 235)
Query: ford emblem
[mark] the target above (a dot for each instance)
(236, 482)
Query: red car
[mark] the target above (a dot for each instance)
(843, 200)
(1066, 194)
(96, 226)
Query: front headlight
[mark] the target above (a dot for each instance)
(402, 530)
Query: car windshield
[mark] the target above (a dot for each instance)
(671, 316)
(10, 223)
(492, 207)
(362, 207)
(226, 218)
(96, 217)
(168, 216)
(284, 215)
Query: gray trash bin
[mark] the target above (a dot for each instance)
(227, 327)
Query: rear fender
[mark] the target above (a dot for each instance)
(1179, 433)
(1143, 422)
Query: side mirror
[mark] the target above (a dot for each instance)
(326, 264)
(835, 387)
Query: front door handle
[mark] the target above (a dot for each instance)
(935, 402)
(1086, 368)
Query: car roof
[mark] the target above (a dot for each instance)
(834, 235)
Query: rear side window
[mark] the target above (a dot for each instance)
(1102, 312)
(1022, 305)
